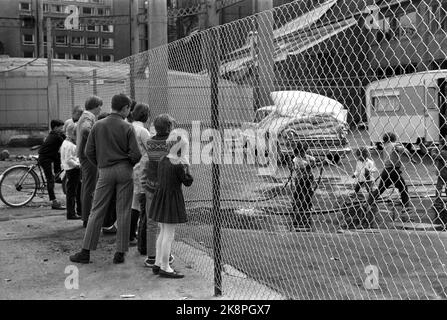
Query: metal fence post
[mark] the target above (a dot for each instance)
(217, 223)
(95, 82)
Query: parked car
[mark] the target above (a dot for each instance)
(316, 120)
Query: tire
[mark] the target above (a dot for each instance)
(18, 196)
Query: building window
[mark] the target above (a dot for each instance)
(60, 55)
(57, 8)
(46, 7)
(25, 6)
(91, 57)
(77, 41)
(107, 58)
(107, 28)
(61, 40)
(107, 12)
(107, 43)
(100, 11)
(28, 54)
(28, 22)
(76, 56)
(87, 10)
(28, 39)
(92, 42)
(91, 28)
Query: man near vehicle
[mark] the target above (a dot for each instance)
(88, 170)
(112, 147)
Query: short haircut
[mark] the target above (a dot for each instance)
(141, 112)
(389, 137)
(56, 123)
(93, 102)
(163, 123)
(71, 131)
(119, 101)
(77, 108)
(103, 115)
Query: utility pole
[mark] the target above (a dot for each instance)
(50, 69)
(158, 56)
(265, 75)
(40, 29)
(135, 30)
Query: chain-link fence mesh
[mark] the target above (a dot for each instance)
(332, 76)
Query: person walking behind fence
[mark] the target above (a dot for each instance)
(70, 164)
(75, 115)
(113, 147)
(156, 148)
(50, 159)
(88, 171)
(363, 171)
(139, 116)
(168, 205)
(303, 191)
(390, 175)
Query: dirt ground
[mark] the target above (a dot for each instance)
(35, 243)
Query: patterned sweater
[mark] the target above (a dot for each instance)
(156, 149)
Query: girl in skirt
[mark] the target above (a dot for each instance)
(168, 205)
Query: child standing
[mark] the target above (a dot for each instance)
(363, 170)
(50, 159)
(303, 191)
(391, 175)
(168, 205)
(70, 163)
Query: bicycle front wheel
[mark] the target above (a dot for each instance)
(18, 186)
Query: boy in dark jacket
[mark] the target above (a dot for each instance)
(50, 159)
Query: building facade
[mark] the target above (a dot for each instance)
(93, 43)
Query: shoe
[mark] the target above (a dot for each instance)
(74, 217)
(156, 269)
(56, 205)
(58, 180)
(149, 262)
(109, 230)
(133, 243)
(173, 275)
(84, 224)
(80, 257)
(118, 257)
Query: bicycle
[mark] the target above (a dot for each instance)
(19, 184)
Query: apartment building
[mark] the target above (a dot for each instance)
(93, 42)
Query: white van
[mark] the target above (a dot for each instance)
(409, 105)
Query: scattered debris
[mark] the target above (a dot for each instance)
(183, 298)
(7, 280)
(335, 259)
(127, 296)
(82, 295)
(45, 260)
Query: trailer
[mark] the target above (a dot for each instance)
(413, 106)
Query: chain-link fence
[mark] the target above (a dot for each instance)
(324, 78)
